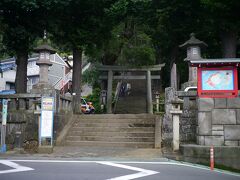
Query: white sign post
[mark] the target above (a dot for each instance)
(4, 123)
(46, 122)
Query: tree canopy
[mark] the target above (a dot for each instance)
(133, 32)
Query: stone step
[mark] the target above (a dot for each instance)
(112, 134)
(109, 125)
(113, 129)
(115, 116)
(135, 102)
(132, 120)
(109, 139)
(110, 144)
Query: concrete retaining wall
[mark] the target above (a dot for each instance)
(218, 121)
(228, 156)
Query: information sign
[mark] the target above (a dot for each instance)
(217, 82)
(46, 125)
(4, 111)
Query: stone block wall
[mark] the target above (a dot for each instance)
(187, 119)
(167, 121)
(26, 122)
(218, 121)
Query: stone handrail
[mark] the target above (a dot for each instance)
(22, 101)
(186, 94)
(33, 102)
(64, 104)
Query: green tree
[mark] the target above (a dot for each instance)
(23, 21)
(128, 43)
(223, 17)
(81, 25)
(134, 50)
(170, 23)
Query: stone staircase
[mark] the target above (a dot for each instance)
(135, 102)
(121, 130)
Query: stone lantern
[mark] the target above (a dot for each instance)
(44, 63)
(176, 112)
(193, 46)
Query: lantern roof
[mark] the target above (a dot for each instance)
(45, 47)
(193, 41)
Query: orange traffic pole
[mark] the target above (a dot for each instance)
(212, 158)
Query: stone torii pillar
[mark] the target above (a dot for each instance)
(109, 92)
(149, 93)
(145, 69)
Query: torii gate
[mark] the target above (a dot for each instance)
(147, 69)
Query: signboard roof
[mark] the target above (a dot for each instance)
(225, 61)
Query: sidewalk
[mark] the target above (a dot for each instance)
(100, 153)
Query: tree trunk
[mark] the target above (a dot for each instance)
(159, 60)
(229, 44)
(21, 74)
(77, 78)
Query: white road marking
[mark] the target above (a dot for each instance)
(141, 173)
(177, 163)
(16, 167)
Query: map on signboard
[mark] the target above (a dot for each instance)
(217, 80)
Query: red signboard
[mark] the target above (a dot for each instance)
(217, 82)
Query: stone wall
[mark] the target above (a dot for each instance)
(187, 119)
(223, 155)
(218, 121)
(26, 123)
(167, 122)
(23, 122)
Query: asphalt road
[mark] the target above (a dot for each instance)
(102, 170)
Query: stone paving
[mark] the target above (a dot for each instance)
(98, 153)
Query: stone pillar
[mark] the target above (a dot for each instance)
(176, 112)
(149, 93)
(157, 97)
(158, 132)
(192, 75)
(43, 73)
(109, 92)
(175, 132)
(174, 76)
